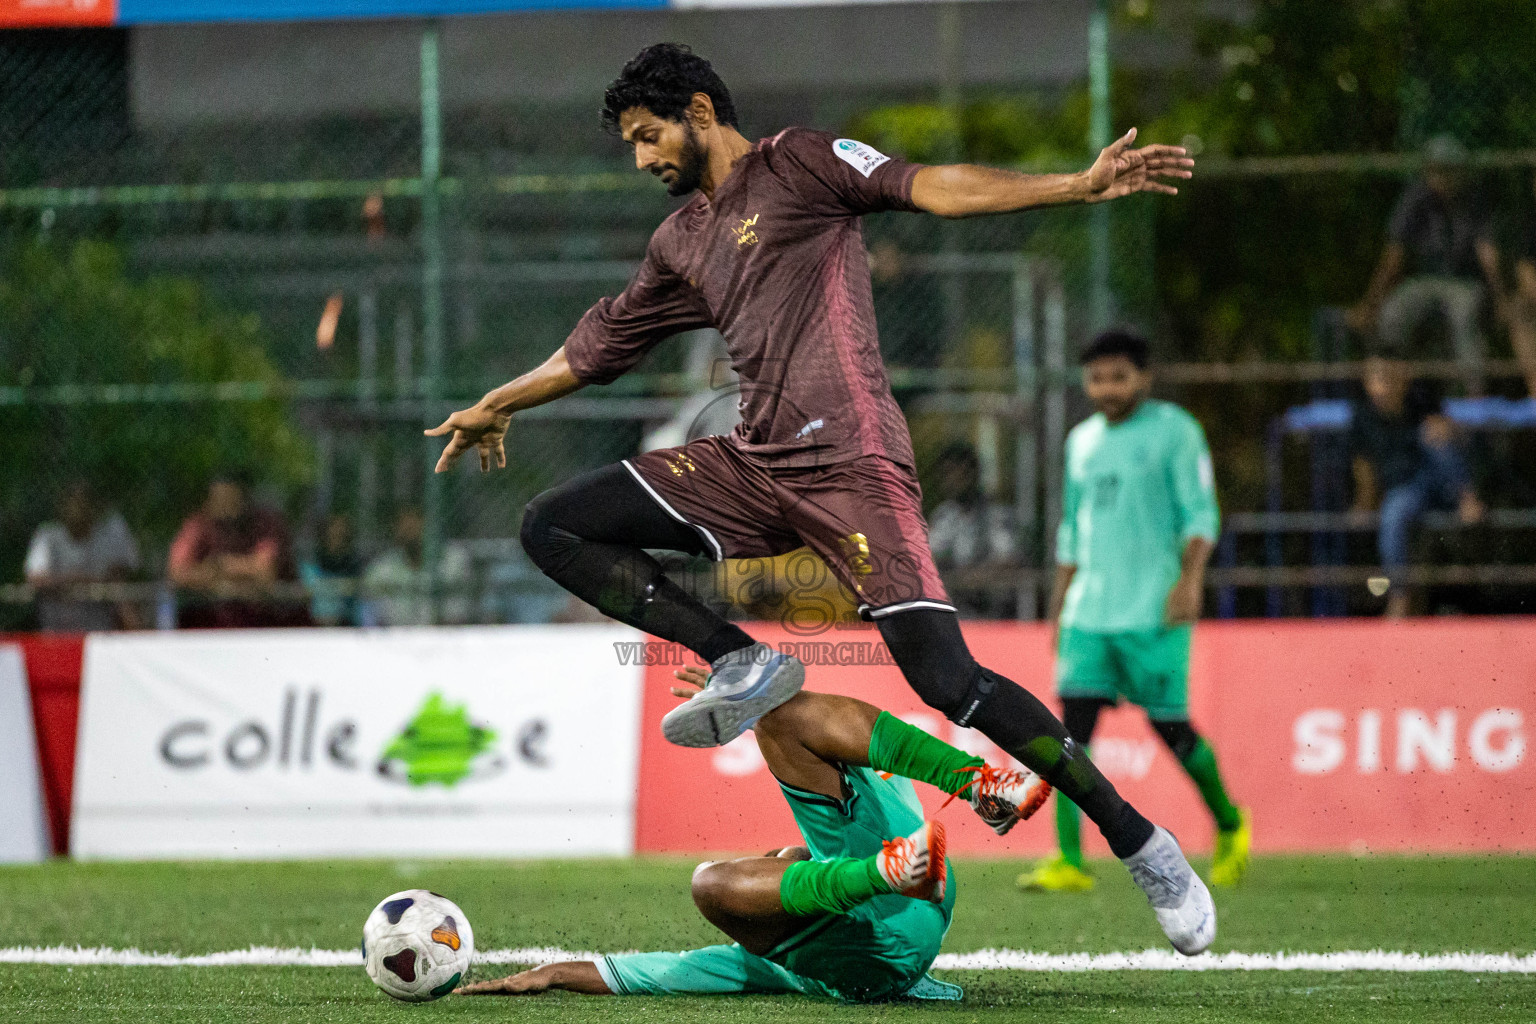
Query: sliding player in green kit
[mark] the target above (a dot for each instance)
(1138, 522)
(859, 912)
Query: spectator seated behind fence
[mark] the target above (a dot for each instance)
(88, 543)
(229, 558)
(1405, 454)
(334, 574)
(1439, 257)
(966, 528)
(398, 586)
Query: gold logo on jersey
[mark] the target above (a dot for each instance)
(744, 234)
(679, 463)
(855, 549)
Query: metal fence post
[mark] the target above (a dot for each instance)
(368, 408)
(1101, 300)
(1026, 469)
(1054, 324)
(1226, 557)
(1274, 543)
(431, 383)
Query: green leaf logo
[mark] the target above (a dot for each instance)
(440, 744)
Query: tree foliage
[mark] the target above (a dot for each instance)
(73, 316)
(1241, 263)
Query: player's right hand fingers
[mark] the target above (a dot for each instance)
(450, 455)
(441, 429)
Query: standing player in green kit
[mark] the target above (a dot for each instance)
(1138, 522)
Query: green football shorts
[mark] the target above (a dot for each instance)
(1149, 668)
(879, 950)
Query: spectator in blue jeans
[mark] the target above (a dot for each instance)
(1406, 455)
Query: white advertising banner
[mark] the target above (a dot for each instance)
(494, 741)
(25, 835)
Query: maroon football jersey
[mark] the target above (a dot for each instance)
(776, 262)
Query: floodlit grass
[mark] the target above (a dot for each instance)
(1317, 904)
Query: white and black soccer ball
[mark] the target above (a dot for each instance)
(417, 945)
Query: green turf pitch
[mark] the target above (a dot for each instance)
(1293, 904)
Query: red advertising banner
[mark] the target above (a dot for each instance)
(53, 675)
(1343, 735)
(56, 13)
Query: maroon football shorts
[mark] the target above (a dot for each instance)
(863, 517)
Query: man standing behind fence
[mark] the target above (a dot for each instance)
(1440, 257)
(1138, 522)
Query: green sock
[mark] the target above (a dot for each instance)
(905, 750)
(1069, 831)
(1201, 766)
(811, 887)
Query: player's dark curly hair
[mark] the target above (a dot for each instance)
(1118, 343)
(663, 78)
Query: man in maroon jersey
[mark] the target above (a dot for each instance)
(770, 250)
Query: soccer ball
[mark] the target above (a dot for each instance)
(417, 945)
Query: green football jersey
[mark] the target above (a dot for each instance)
(1134, 494)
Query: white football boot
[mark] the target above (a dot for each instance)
(1179, 898)
(1003, 797)
(914, 865)
(743, 686)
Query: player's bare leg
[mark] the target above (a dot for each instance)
(807, 742)
(742, 898)
(803, 742)
(806, 739)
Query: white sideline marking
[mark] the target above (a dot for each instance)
(984, 960)
(1166, 960)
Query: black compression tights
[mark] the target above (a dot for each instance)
(932, 654)
(1081, 715)
(588, 535)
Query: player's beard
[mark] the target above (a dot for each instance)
(690, 165)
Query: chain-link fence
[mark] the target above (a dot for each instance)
(293, 299)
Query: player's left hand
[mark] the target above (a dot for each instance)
(1121, 170)
(694, 679)
(1184, 601)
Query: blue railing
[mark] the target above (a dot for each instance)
(1323, 422)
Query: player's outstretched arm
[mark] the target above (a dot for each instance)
(572, 975)
(966, 190)
(484, 424)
